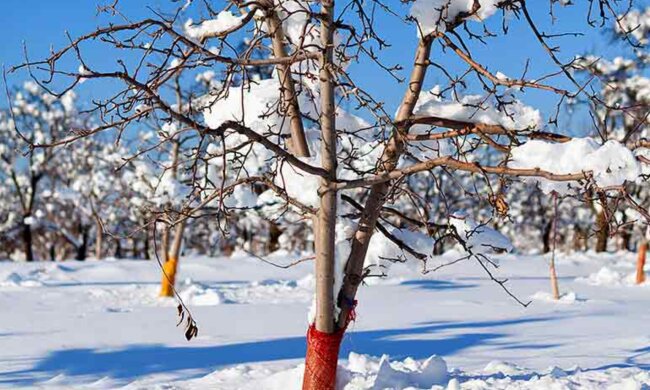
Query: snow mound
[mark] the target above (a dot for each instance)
(411, 373)
(257, 292)
(16, 280)
(611, 278)
(361, 372)
(29, 276)
(367, 372)
(199, 295)
(566, 298)
(276, 291)
(501, 367)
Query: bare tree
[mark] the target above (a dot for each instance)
(347, 173)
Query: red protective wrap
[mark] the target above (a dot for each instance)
(322, 359)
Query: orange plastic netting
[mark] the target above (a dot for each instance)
(322, 359)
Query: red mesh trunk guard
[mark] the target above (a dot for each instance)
(322, 359)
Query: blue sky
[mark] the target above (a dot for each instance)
(42, 24)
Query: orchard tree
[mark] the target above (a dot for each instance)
(311, 137)
(34, 117)
(624, 89)
(94, 191)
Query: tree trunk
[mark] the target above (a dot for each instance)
(602, 234)
(546, 237)
(274, 235)
(147, 255)
(135, 248)
(640, 261)
(323, 339)
(99, 239)
(82, 249)
(28, 242)
(579, 238)
(118, 249)
(170, 267)
(164, 245)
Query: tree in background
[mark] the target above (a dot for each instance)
(625, 91)
(34, 116)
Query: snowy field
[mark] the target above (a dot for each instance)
(99, 324)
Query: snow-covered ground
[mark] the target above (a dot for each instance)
(99, 324)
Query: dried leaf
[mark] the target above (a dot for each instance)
(500, 205)
(192, 330)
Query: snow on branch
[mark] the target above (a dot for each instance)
(611, 164)
(437, 15)
(224, 23)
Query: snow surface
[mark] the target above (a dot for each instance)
(100, 325)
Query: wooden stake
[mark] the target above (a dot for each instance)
(555, 288)
(640, 262)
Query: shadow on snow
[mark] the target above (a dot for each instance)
(140, 360)
(431, 284)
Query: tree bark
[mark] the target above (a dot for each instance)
(135, 248)
(99, 238)
(147, 255)
(546, 237)
(118, 249)
(602, 234)
(289, 107)
(164, 245)
(626, 237)
(274, 234)
(28, 241)
(82, 249)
